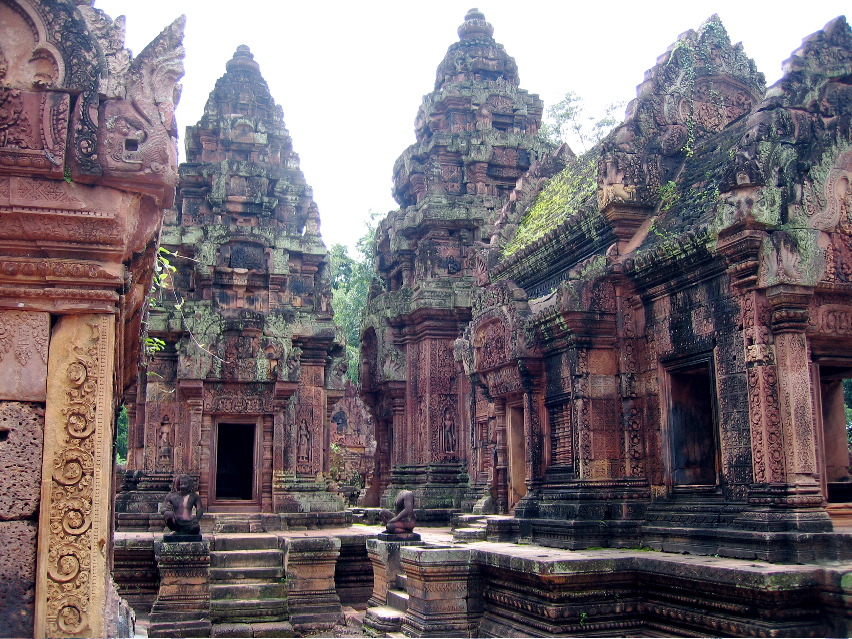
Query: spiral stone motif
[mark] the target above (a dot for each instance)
(66, 568)
(71, 466)
(77, 373)
(78, 424)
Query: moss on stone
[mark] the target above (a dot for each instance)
(563, 196)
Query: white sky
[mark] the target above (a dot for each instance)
(351, 75)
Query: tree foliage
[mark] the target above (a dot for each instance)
(569, 121)
(350, 284)
(121, 425)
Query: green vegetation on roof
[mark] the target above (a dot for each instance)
(562, 197)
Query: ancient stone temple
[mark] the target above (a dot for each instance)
(240, 395)
(476, 135)
(658, 337)
(87, 166)
(661, 340)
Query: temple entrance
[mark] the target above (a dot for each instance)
(832, 438)
(692, 426)
(516, 444)
(235, 463)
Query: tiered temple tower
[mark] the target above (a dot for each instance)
(476, 135)
(240, 394)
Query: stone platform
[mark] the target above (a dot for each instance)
(501, 589)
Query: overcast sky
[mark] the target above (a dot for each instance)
(351, 75)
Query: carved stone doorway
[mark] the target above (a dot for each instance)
(693, 434)
(235, 485)
(516, 444)
(832, 437)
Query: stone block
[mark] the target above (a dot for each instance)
(314, 603)
(384, 556)
(231, 630)
(17, 579)
(23, 355)
(443, 596)
(21, 448)
(273, 629)
(182, 607)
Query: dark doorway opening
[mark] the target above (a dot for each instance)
(692, 426)
(835, 396)
(235, 462)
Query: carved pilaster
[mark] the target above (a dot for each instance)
(193, 393)
(74, 523)
(499, 477)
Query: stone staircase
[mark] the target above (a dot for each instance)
(386, 620)
(247, 580)
(468, 528)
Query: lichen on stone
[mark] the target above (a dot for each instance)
(566, 194)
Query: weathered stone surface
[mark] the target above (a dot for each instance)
(651, 344)
(475, 136)
(314, 603)
(76, 477)
(23, 355)
(182, 607)
(17, 585)
(353, 431)
(21, 442)
(76, 262)
(239, 394)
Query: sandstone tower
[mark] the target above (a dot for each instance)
(476, 134)
(240, 394)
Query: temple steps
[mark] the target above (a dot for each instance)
(470, 528)
(247, 573)
(247, 579)
(244, 558)
(383, 621)
(397, 599)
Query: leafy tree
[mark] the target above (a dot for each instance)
(121, 426)
(568, 121)
(350, 284)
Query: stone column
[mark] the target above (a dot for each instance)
(399, 452)
(444, 592)
(74, 521)
(182, 607)
(314, 604)
(787, 494)
(499, 481)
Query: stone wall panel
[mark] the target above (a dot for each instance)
(21, 443)
(17, 578)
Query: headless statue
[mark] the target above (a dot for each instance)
(402, 521)
(177, 508)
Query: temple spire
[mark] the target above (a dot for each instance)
(475, 24)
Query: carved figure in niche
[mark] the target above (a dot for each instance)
(294, 364)
(177, 508)
(449, 430)
(341, 420)
(453, 265)
(164, 446)
(402, 520)
(303, 451)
